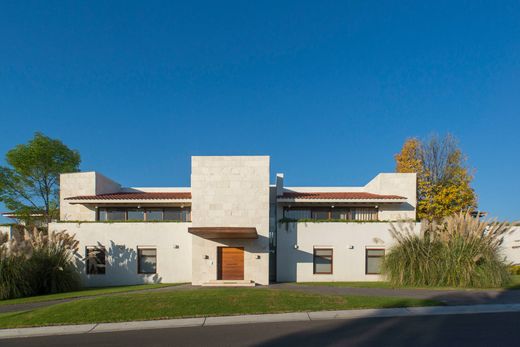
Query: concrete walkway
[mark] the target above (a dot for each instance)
(249, 319)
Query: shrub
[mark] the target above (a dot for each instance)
(35, 263)
(514, 269)
(13, 276)
(459, 251)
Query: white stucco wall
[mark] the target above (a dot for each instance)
(511, 246)
(348, 263)
(231, 191)
(121, 241)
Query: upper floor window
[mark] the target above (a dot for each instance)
(179, 214)
(326, 213)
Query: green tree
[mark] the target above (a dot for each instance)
(443, 179)
(29, 184)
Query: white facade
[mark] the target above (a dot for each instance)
(511, 246)
(233, 209)
(6, 230)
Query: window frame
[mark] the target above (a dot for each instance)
(373, 256)
(350, 212)
(87, 262)
(331, 260)
(139, 255)
(184, 213)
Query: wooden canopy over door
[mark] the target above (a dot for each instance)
(230, 263)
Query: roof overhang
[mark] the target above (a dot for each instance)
(224, 232)
(127, 201)
(356, 201)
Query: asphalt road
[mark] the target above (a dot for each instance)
(497, 329)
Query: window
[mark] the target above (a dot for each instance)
(135, 214)
(177, 214)
(366, 213)
(322, 261)
(374, 259)
(181, 214)
(321, 214)
(147, 262)
(116, 214)
(326, 213)
(297, 214)
(96, 262)
(155, 214)
(340, 213)
(103, 215)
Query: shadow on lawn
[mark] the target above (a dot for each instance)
(433, 330)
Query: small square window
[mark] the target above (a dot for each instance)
(147, 260)
(323, 261)
(95, 260)
(374, 260)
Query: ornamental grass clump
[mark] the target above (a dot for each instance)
(35, 263)
(458, 251)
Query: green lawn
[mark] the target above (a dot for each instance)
(515, 284)
(375, 284)
(83, 293)
(194, 303)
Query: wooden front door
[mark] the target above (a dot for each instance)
(230, 263)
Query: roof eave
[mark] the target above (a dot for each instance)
(126, 201)
(379, 201)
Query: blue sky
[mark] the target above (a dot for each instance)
(329, 89)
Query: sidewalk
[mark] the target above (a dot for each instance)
(249, 319)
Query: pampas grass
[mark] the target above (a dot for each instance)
(459, 251)
(35, 263)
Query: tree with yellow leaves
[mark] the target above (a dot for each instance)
(443, 179)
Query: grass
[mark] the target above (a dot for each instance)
(513, 285)
(94, 291)
(375, 284)
(194, 303)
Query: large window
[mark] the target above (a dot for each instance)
(136, 214)
(154, 214)
(95, 260)
(328, 213)
(323, 261)
(147, 260)
(374, 259)
(179, 214)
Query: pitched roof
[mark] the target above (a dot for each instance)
(135, 196)
(339, 196)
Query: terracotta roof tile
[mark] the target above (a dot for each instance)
(135, 196)
(338, 196)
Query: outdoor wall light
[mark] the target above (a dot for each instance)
(176, 246)
(258, 256)
(351, 247)
(205, 257)
(296, 246)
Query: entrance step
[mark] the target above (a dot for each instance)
(229, 283)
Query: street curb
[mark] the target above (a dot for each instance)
(261, 318)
